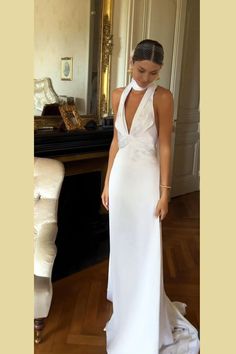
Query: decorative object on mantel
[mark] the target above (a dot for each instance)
(71, 117)
(67, 68)
(91, 125)
(107, 122)
(51, 109)
(70, 100)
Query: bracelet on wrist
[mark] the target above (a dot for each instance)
(164, 186)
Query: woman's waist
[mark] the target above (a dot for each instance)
(133, 154)
(139, 143)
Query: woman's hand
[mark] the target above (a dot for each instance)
(162, 207)
(105, 197)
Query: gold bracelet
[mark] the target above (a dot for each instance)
(161, 185)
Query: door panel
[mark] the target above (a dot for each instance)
(185, 176)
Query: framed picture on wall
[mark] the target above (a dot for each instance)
(67, 68)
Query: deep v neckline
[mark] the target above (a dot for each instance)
(135, 114)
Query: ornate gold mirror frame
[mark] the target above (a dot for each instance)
(106, 44)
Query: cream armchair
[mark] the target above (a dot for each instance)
(44, 93)
(48, 178)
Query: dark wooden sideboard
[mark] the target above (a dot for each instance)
(80, 151)
(57, 143)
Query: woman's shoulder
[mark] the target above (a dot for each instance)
(162, 92)
(116, 93)
(162, 95)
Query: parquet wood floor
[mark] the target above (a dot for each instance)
(80, 310)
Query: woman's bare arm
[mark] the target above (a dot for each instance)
(164, 106)
(114, 144)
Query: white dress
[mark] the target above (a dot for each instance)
(144, 320)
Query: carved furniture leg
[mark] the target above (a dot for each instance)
(38, 327)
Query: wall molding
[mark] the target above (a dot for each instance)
(129, 38)
(146, 19)
(187, 114)
(178, 52)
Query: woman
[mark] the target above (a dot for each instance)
(136, 192)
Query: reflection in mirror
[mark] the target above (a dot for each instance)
(69, 29)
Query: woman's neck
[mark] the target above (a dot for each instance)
(136, 87)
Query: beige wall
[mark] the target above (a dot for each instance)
(62, 30)
(162, 16)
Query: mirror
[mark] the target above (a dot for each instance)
(79, 30)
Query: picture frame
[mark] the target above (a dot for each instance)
(71, 117)
(67, 68)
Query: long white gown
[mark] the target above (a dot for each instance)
(144, 320)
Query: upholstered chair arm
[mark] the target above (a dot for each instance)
(48, 179)
(45, 249)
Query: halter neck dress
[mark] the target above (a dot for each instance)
(144, 320)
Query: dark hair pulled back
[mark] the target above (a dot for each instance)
(149, 49)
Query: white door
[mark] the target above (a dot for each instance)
(185, 175)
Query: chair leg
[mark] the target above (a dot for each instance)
(38, 327)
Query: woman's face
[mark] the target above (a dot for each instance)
(144, 72)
